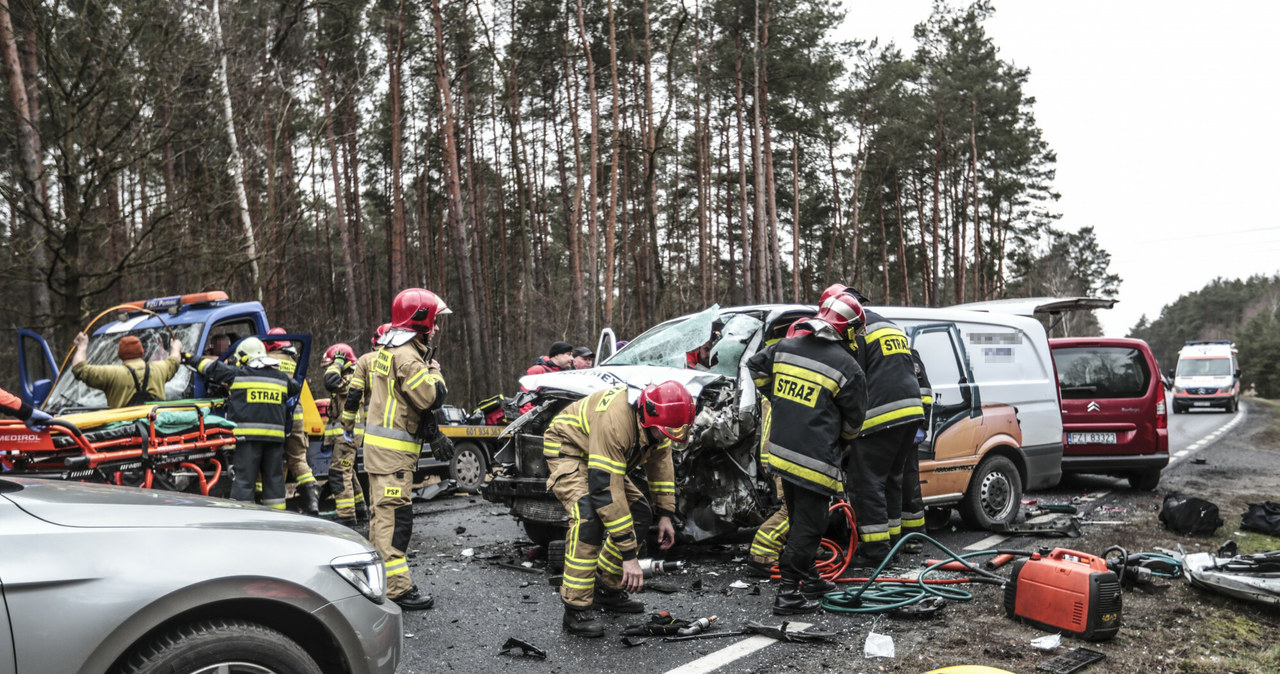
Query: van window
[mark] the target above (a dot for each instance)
(1204, 367)
(1102, 372)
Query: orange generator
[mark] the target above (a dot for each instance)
(1065, 591)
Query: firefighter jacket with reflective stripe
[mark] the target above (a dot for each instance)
(819, 397)
(922, 378)
(603, 431)
(12, 404)
(402, 390)
(337, 379)
(258, 398)
(893, 394)
(114, 380)
(356, 405)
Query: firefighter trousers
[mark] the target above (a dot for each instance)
(391, 526)
(772, 534)
(875, 471)
(254, 458)
(590, 557)
(808, 517)
(342, 479)
(912, 513)
(295, 451)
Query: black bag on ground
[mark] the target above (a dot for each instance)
(1189, 515)
(1262, 517)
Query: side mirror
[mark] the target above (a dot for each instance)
(1237, 374)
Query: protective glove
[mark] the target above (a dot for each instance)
(349, 437)
(919, 436)
(38, 422)
(442, 448)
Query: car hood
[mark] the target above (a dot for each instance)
(77, 504)
(586, 382)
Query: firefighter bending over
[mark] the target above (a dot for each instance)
(590, 447)
(819, 398)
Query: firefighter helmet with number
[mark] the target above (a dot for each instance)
(382, 330)
(843, 312)
(416, 309)
(339, 350)
(667, 407)
(248, 349)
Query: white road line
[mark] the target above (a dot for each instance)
(722, 657)
(1210, 438)
(988, 543)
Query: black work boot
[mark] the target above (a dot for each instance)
(310, 499)
(414, 600)
(790, 601)
(617, 601)
(362, 512)
(580, 622)
(756, 569)
(815, 586)
(349, 522)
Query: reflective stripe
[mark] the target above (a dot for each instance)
(872, 538)
(243, 381)
(305, 479)
(619, 524)
(579, 583)
(396, 567)
(579, 563)
(259, 430)
(344, 503)
(662, 487)
(899, 409)
(605, 464)
(848, 431)
(794, 457)
(835, 380)
(926, 400)
(425, 376)
(390, 438)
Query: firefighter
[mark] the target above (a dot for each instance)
(771, 535)
(295, 445)
(258, 405)
(590, 446)
(135, 381)
(340, 365)
(343, 480)
(912, 499)
(405, 386)
(818, 396)
(36, 420)
(894, 414)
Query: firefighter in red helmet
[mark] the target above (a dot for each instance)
(589, 446)
(405, 387)
(348, 495)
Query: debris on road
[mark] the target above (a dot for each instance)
(526, 649)
(878, 646)
(1073, 660)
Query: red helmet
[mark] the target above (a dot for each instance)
(339, 350)
(276, 346)
(843, 312)
(669, 408)
(833, 289)
(416, 309)
(382, 330)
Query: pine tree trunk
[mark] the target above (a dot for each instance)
(758, 234)
(573, 217)
(344, 231)
(398, 268)
(902, 242)
(795, 220)
(748, 287)
(593, 162)
(612, 222)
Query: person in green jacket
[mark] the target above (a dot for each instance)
(134, 381)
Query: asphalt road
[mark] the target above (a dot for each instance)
(471, 556)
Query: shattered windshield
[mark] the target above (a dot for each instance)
(72, 394)
(676, 343)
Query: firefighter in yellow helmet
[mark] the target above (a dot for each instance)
(405, 386)
(590, 446)
(258, 403)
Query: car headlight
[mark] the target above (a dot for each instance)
(365, 572)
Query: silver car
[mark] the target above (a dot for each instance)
(96, 578)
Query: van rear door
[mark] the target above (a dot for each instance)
(1109, 397)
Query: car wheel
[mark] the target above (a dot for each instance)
(542, 533)
(1232, 406)
(994, 495)
(468, 466)
(1144, 481)
(221, 647)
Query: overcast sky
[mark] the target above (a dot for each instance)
(1164, 117)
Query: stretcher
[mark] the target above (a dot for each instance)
(175, 446)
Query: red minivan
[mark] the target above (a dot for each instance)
(1114, 417)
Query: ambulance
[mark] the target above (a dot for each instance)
(1208, 375)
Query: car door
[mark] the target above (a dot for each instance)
(36, 368)
(955, 398)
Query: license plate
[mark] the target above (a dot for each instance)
(1201, 403)
(1091, 438)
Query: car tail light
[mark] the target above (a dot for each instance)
(365, 572)
(1162, 417)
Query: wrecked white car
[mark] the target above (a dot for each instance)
(972, 456)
